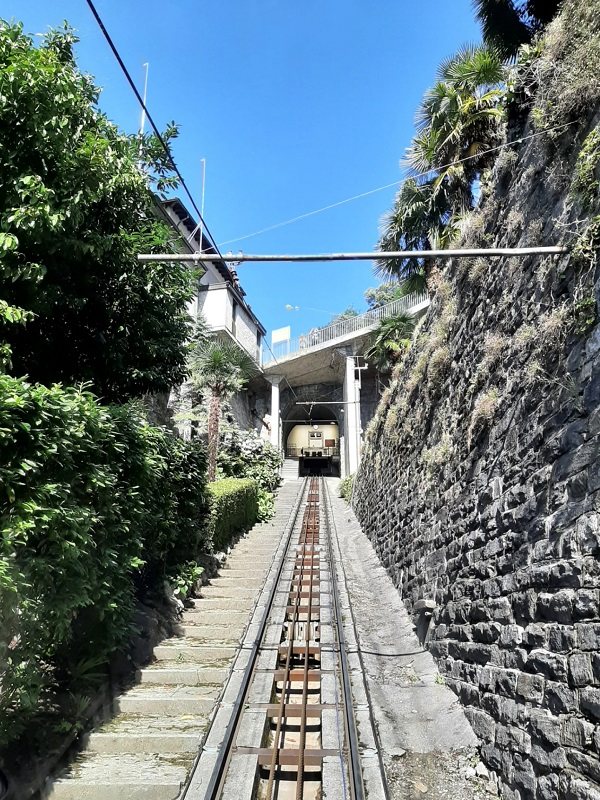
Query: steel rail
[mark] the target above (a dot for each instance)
(354, 763)
(312, 523)
(215, 784)
(287, 678)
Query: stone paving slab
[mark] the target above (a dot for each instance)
(188, 651)
(167, 700)
(183, 675)
(116, 777)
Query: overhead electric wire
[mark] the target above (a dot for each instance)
(157, 133)
(300, 217)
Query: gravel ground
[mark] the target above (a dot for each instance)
(439, 776)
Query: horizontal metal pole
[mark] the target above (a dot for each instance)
(493, 252)
(325, 403)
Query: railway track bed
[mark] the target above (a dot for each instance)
(287, 724)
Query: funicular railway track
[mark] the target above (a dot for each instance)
(291, 732)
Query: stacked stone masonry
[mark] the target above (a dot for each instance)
(480, 480)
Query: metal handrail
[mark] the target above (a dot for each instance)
(319, 336)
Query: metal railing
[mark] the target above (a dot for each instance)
(292, 451)
(346, 327)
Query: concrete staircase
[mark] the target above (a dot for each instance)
(146, 750)
(289, 470)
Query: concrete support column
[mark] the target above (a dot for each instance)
(275, 380)
(352, 414)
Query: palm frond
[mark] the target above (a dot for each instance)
(503, 26)
(390, 339)
(475, 67)
(220, 365)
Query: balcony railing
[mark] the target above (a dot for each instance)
(339, 330)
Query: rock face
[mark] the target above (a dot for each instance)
(480, 480)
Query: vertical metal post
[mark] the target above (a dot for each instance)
(203, 162)
(143, 114)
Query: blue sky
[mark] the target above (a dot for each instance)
(293, 105)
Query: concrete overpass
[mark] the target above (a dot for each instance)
(322, 377)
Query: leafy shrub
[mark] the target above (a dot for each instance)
(95, 503)
(243, 454)
(233, 506)
(266, 505)
(346, 485)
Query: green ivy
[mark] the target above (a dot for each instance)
(346, 486)
(585, 315)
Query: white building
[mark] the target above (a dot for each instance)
(220, 298)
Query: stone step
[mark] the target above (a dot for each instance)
(241, 573)
(185, 650)
(215, 616)
(230, 592)
(123, 777)
(115, 743)
(183, 675)
(222, 603)
(143, 733)
(233, 581)
(259, 549)
(211, 633)
(156, 699)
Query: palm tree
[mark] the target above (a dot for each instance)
(508, 24)
(458, 123)
(390, 339)
(221, 368)
(416, 222)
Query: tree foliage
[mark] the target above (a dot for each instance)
(347, 313)
(75, 209)
(219, 368)
(509, 24)
(458, 123)
(385, 293)
(243, 454)
(389, 340)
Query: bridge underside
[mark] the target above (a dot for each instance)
(330, 392)
(327, 376)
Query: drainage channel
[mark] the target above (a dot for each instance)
(291, 734)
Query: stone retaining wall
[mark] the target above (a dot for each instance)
(480, 479)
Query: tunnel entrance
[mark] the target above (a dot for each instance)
(312, 437)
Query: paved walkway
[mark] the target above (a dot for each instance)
(147, 749)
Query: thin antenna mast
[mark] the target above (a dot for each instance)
(143, 114)
(203, 162)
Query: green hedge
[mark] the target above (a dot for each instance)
(233, 508)
(95, 504)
